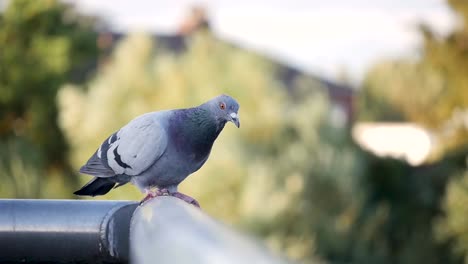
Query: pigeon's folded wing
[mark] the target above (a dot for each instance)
(131, 150)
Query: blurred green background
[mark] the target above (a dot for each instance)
(292, 174)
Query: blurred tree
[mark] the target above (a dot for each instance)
(395, 223)
(431, 91)
(438, 82)
(399, 91)
(287, 174)
(449, 57)
(43, 44)
(452, 227)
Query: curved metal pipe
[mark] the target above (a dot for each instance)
(64, 230)
(168, 230)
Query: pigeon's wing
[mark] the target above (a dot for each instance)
(97, 166)
(131, 150)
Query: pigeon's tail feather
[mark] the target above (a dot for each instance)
(97, 186)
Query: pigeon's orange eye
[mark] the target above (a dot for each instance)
(222, 106)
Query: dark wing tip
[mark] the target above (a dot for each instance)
(97, 186)
(80, 192)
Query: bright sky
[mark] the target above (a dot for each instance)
(319, 36)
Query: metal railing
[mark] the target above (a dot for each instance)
(163, 230)
(64, 231)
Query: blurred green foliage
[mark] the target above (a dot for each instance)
(433, 92)
(41, 43)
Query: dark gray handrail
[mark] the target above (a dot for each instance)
(64, 231)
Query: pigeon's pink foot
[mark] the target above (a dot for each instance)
(151, 194)
(186, 198)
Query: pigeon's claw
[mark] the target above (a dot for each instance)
(186, 198)
(149, 195)
(163, 192)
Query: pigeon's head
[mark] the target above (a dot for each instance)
(225, 109)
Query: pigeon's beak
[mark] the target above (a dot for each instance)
(235, 119)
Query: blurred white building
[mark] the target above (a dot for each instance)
(405, 141)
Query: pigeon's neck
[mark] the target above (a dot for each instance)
(199, 130)
(205, 127)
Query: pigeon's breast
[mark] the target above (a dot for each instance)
(170, 170)
(191, 153)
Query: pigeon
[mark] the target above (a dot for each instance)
(158, 150)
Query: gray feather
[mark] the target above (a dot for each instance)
(96, 167)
